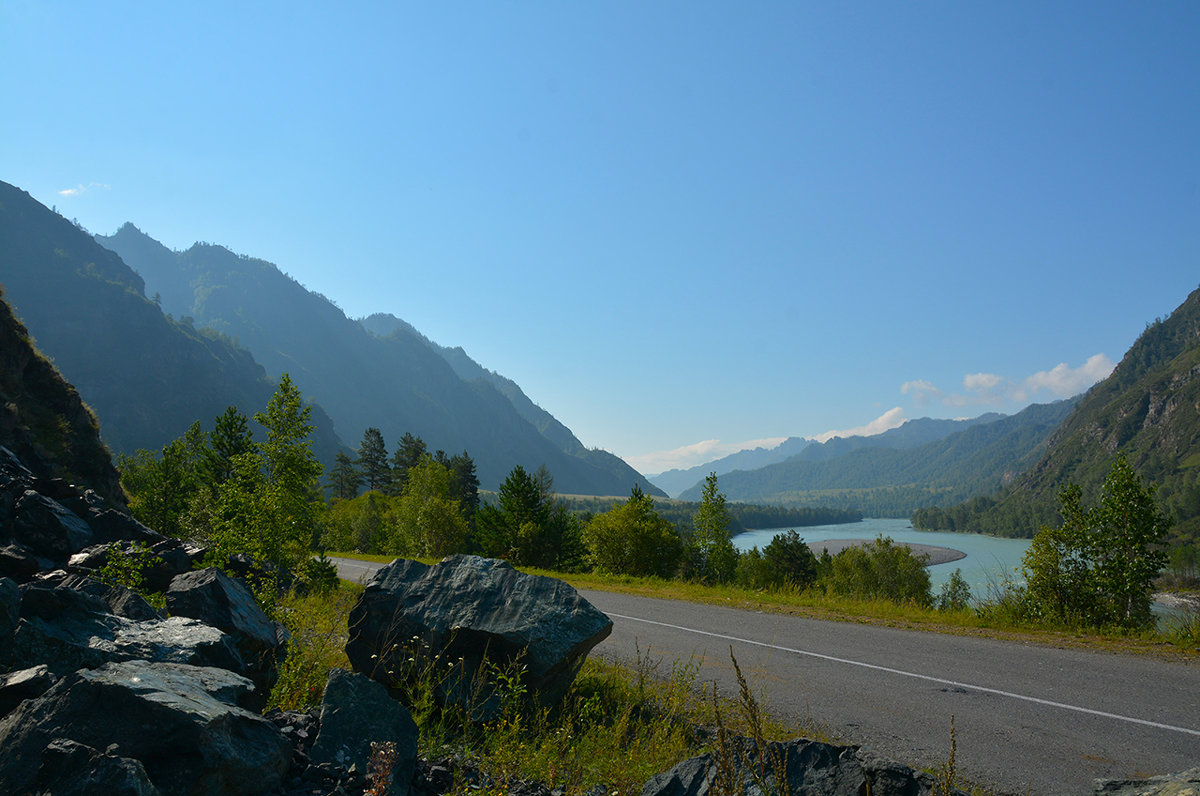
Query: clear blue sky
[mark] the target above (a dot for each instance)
(670, 223)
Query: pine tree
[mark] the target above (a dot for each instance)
(372, 460)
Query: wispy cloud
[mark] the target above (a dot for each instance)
(892, 418)
(990, 389)
(694, 454)
(81, 189)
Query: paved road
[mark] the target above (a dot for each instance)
(1028, 718)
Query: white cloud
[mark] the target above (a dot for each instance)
(82, 189)
(694, 454)
(990, 389)
(892, 418)
(1063, 381)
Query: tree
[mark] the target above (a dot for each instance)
(788, 555)
(372, 460)
(633, 539)
(409, 453)
(230, 437)
(429, 521)
(716, 555)
(344, 478)
(1098, 567)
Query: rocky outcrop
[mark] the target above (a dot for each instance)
(183, 723)
(800, 766)
(467, 610)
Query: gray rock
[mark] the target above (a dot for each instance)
(357, 711)
(120, 600)
(178, 721)
(10, 610)
(1185, 783)
(16, 687)
(73, 769)
(48, 528)
(18, 562)
(469, 608)
(212, 597)
(806, 767)
(67, 630)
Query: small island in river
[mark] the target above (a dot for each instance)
(934, 554)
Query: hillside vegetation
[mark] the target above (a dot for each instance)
(1148, 410)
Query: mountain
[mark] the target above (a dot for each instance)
(44, 421)
(396, 382)
(1148, 409)
(676, 481)
(903, 473)
(146, 376)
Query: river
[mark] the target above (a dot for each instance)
(989, 559)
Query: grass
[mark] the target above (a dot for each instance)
(618, 725)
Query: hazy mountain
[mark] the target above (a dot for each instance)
(1148, 409)
(397, 383)
(676, 481)
(146, 376)
(979, 456)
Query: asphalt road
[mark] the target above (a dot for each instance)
(1028, 719)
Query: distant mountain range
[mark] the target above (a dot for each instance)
(921, 463)
(674, 482)
(380, 372)
(1148, 409)
(146, 377)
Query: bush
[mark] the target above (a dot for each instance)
(880, 570)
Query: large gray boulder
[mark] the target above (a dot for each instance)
(356, 711)
(214, 598)
(805, 767)
(471, 609)
(1185, 783)
(67, 629)
(182, 723)
(16, 687)
(48, 528)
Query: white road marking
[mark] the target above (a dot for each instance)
(929, 678)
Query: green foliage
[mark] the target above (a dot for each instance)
(318, 626)
(881, 570)
(633, 539)
(126, 566)
(955, 593)
(793, 560)
(1098, 566)
(372, 461)
(529, 525)
(715, 557)
(409, 453)
(429, 521)
(344, 479)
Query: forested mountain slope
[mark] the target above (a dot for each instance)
(397, 383)
(976, 459)
(146, 377)
(1148, 409)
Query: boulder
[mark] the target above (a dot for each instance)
(18, 562)
(120, 600)
(467, 609)
(16, 687)
(200, 741)
(216, 599)
(357, 711)
(110, 525)
(74, 769)
(67, 629)
(48, 528)
(10, 611)
(809, 767)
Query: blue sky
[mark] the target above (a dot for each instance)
(680, 227)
